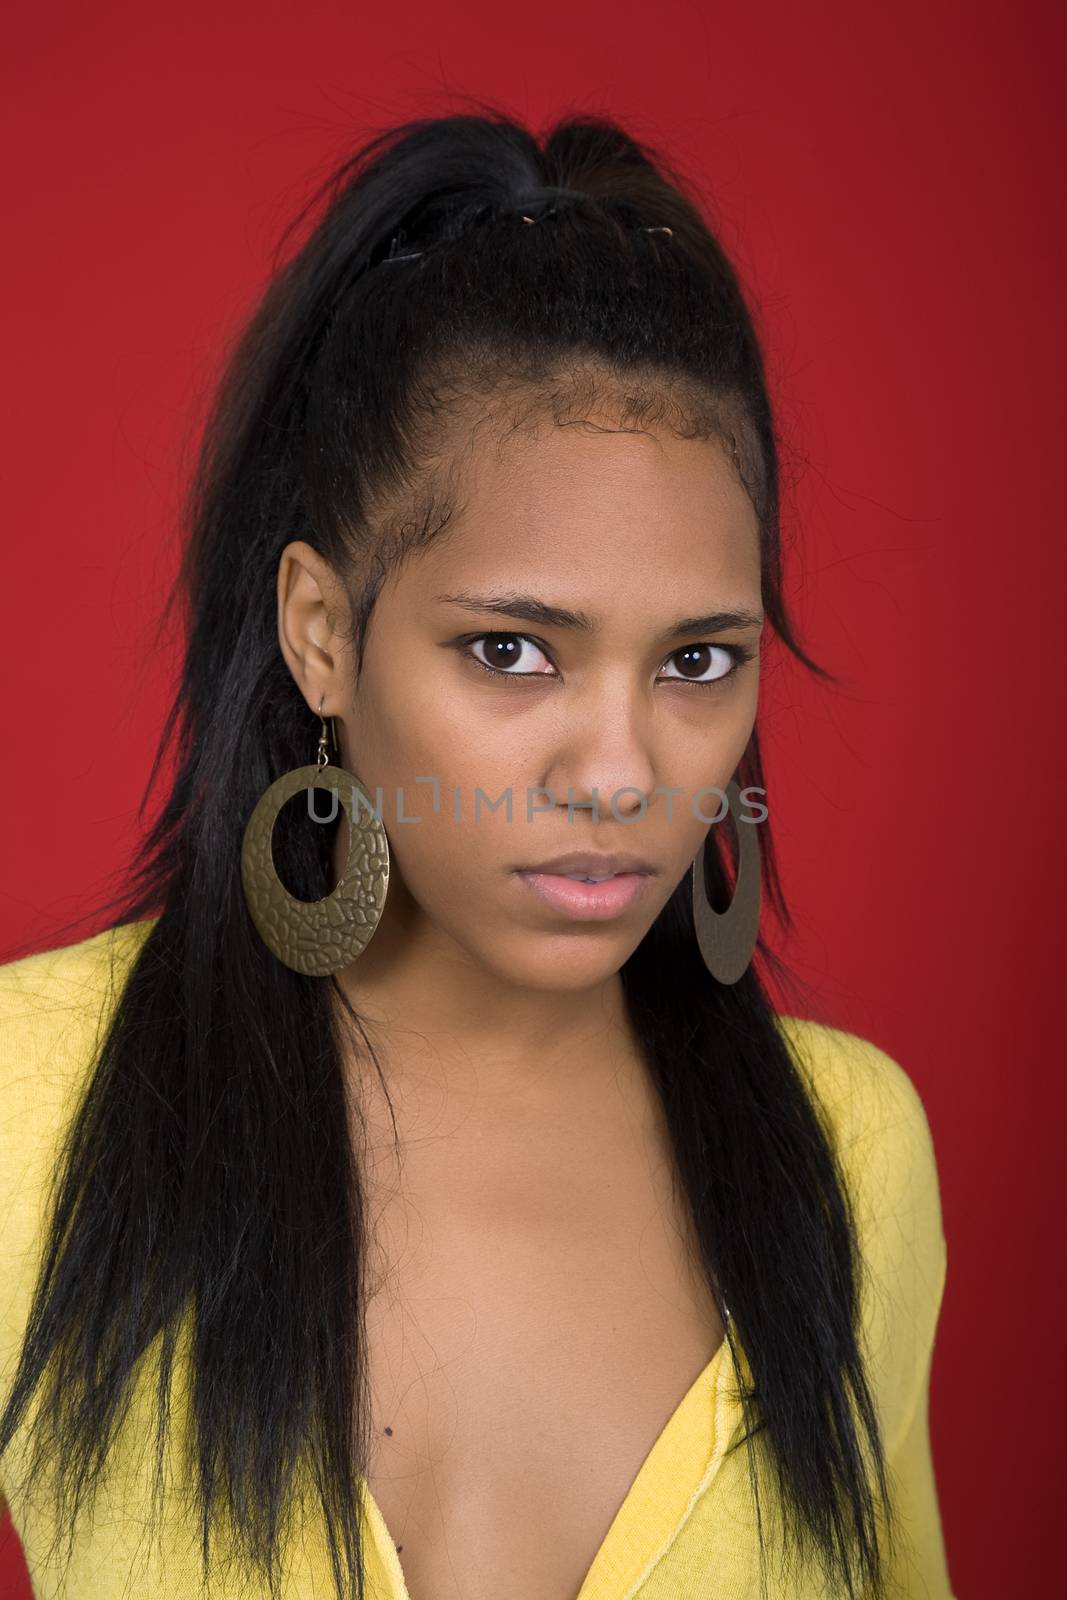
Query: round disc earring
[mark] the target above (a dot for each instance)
(727, 939)
(317, 937)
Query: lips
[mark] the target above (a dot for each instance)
(587, 902)
(591, 864)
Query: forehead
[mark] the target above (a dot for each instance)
(591, 471)
(635, 513)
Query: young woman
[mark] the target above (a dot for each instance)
(413, 1191)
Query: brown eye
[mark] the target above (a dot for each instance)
(511, 655)
(709, 663)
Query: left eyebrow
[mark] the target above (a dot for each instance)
(528, 608)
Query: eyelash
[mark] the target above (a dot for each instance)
(740, 653)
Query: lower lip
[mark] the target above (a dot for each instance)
(592, 902)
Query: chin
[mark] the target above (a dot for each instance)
(565, 965)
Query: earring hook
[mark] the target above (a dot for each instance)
(323, 755)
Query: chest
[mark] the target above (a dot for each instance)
(534, 1318)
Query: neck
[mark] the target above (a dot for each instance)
(423, 998)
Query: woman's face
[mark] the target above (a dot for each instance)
(633, 535)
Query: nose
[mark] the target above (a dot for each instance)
(605, 760)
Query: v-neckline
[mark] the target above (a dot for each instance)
(674, 1474)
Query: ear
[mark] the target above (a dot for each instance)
(313, 620)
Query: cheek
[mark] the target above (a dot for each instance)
(702, 768)
(456, 871)
(429, 762)
(426, 723)
(398, 737)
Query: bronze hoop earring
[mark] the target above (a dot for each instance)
(727, 939)
(317, 937)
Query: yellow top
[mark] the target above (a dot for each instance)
(686, 1530)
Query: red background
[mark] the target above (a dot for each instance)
(887, 179)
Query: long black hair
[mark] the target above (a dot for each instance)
(208, 1179)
